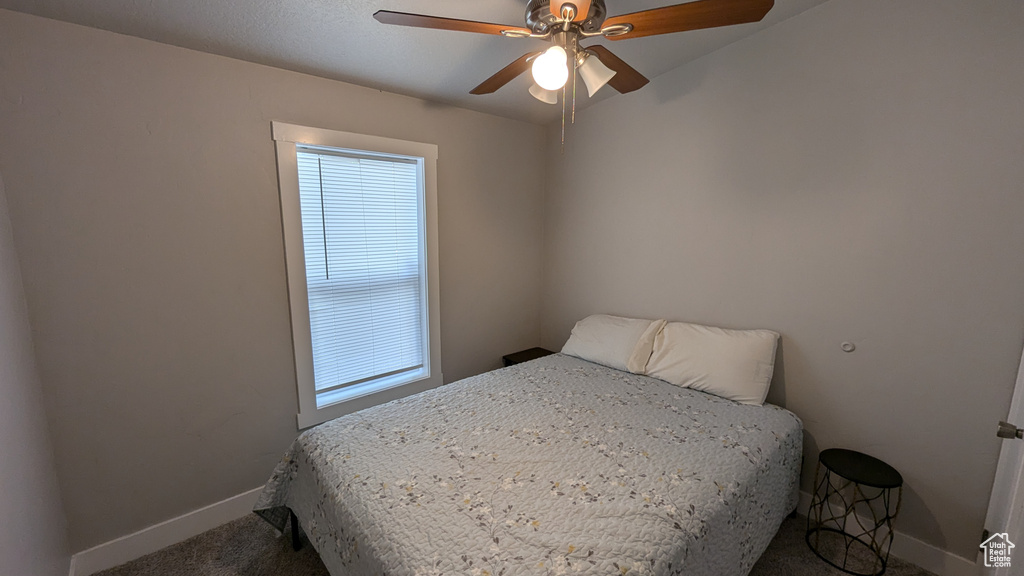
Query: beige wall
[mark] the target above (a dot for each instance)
(144, 203)
(33, 533)
(851, 174)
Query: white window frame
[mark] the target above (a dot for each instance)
(286, 137)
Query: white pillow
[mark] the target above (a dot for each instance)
(734, 364)
(620, 343)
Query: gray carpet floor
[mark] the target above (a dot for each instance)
(250, 547)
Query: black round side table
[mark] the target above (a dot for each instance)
(849, 524)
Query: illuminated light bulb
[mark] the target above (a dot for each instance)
(550, 69)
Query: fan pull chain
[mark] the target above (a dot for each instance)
(563, 120)
(575, 55)
(573, 100)
(564, 87)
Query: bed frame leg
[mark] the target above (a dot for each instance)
(296, 542)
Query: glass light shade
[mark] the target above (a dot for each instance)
(545, 96)
(550, 69)
(595, 74)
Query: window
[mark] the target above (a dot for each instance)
(359, 216)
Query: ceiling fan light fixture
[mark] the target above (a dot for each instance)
(577, 9)
(545, 96)
(594, 73)
(550, 69)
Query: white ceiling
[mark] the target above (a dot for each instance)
(339, 39)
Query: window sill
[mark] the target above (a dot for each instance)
(348, 400)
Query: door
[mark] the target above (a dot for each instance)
(1006, 506)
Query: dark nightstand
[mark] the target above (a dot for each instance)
(856, 497)
(525, 356)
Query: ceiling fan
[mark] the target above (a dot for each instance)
(565, 23)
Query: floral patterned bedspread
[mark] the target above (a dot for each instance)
(556, 466)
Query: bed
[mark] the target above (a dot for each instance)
(555, 466)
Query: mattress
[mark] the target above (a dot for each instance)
(555, 466)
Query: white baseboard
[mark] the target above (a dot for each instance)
(931, 558)
(158, 536)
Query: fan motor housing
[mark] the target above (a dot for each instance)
(540, 19)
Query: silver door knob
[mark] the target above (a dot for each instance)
(1007, 430)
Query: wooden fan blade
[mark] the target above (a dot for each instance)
(438, 23)
(505, 75)
(626, 77)
(691, 16)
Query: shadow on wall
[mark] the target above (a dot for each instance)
(682, 85)
(927, 524)
(777, 389)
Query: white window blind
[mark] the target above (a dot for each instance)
(362, 233)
